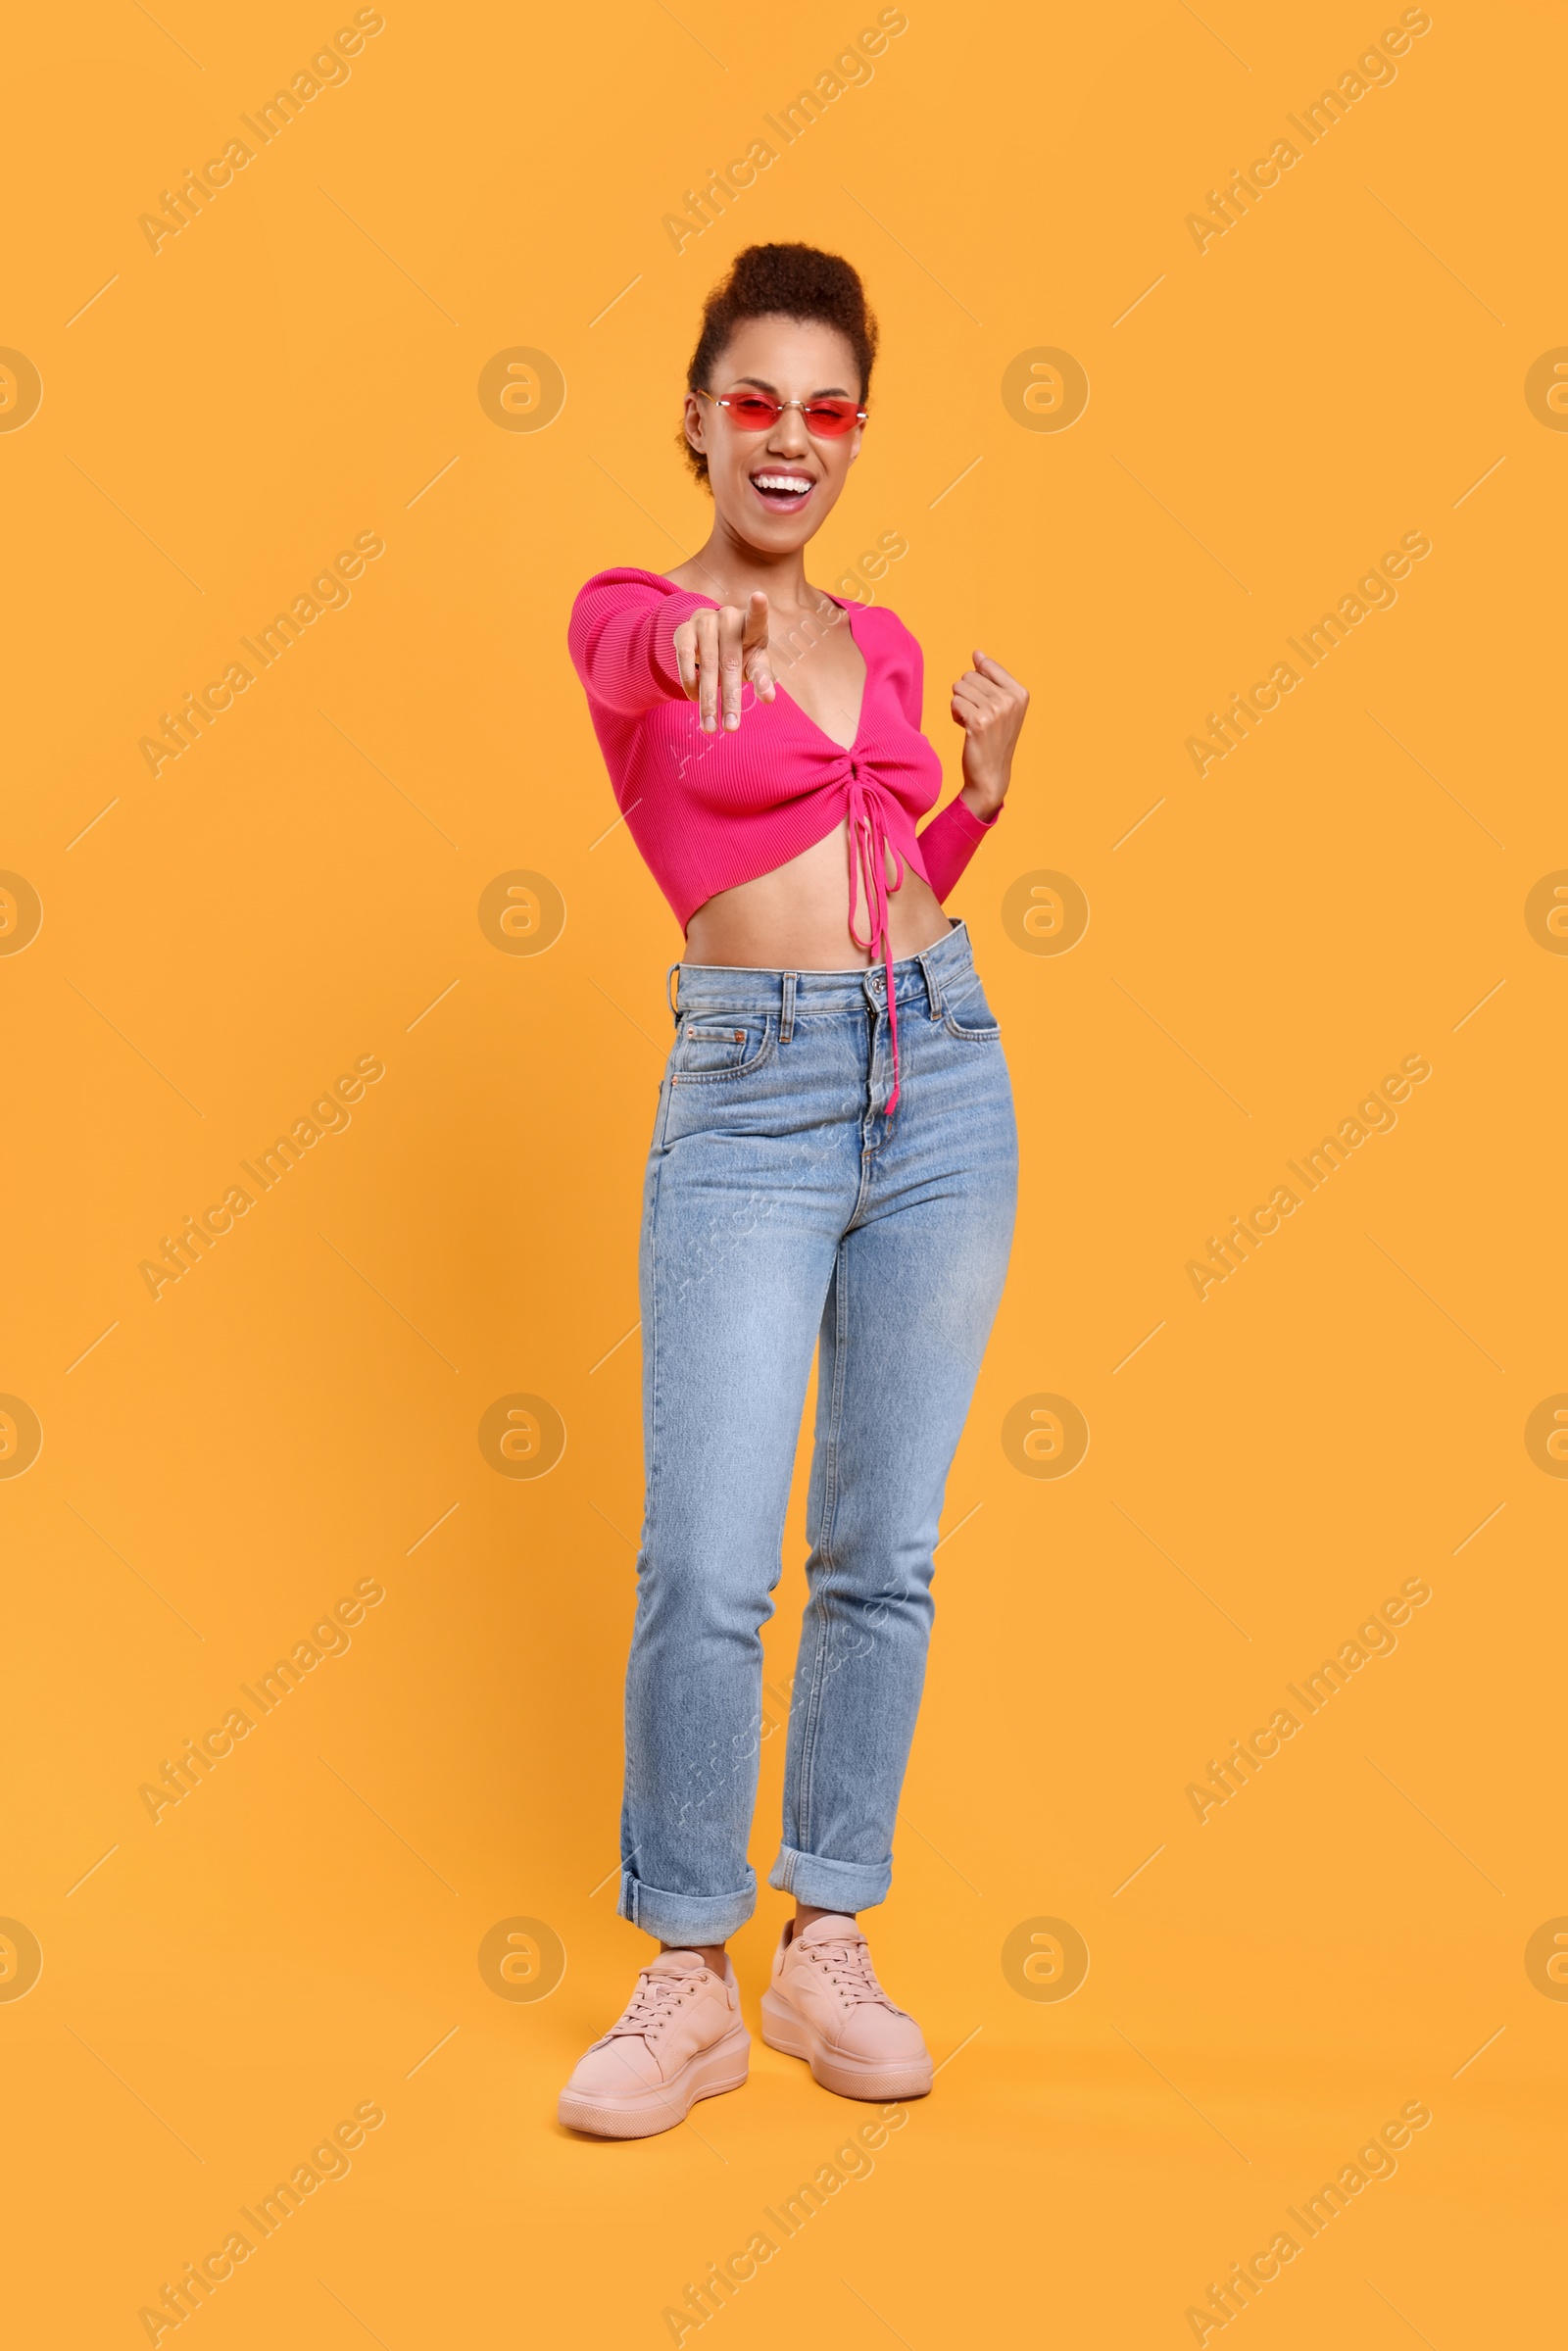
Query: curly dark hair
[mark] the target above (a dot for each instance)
(781, 281)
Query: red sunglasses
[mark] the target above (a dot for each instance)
(759, 411)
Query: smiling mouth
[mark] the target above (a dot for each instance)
(782, 493)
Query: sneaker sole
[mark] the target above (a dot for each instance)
(642, 2114)
(848, 2076)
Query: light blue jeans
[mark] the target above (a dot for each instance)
(785, 1212)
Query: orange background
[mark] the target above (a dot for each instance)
(293, 1418)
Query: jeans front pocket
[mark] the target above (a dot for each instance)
(714, 1046)
(966, 1014)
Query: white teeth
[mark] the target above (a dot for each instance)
(780, 481)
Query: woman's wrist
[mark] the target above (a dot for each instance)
(982, 801)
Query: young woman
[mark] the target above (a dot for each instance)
(833, 1168)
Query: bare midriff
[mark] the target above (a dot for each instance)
(796, 918)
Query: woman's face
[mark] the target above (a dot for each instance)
(775, 489)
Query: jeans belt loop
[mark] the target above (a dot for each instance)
(673, 1000)
(933, 986)
(785, 1026)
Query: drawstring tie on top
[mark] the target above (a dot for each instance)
(868, 870)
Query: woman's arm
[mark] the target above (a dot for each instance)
(950, 841)
(621, 638)
(990, 707)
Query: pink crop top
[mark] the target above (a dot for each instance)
(712, 810)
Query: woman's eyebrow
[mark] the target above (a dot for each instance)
(827, 391)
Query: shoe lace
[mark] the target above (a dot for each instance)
(848, 1965)
(652, 2004)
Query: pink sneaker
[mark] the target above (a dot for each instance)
(681, 2039)
(826, 2004)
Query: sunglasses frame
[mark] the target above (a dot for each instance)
(726, 400)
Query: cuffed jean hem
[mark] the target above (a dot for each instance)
(686, 1919)
(845, 1886)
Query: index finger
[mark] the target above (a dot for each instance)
(754, 637)
(992, 669)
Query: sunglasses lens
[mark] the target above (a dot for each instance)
(825, 419)
(828, 418)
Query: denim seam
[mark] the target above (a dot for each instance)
(651, 1466)
(868, 1118)
(662, 1123)
(867, 1163)
(822, 1667)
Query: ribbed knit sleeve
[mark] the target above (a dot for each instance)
(948, 842)
(620, 640)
